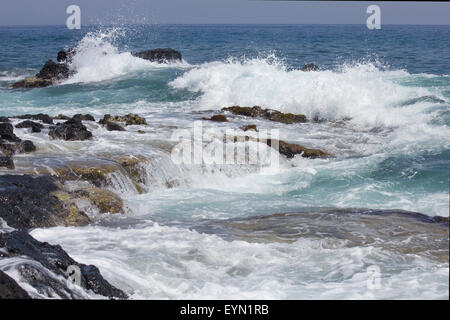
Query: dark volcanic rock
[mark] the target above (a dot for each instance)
(290, 149)
(29, 202)
(35, 126)
(9, 289)
(55, 259)
(217, 118)
(8, 163)
(4, 119)
(83, 117)
(7, 132)
(159, 55)
(45, 118)
(112, 126)
(269, 114)
(66, 56)
(26, 146)
(71, 130)
(61, 117)
(8, 149)
(310, 67)
(53, 71)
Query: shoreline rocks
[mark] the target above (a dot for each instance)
(71, 130)
(54, 259)
(269, 114)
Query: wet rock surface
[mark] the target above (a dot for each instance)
(129, 119)
(160, 55)
(56, 260)
(394, 230)
(310, 67)
(7, 162)
(71, 130)
(9, 289)
(270, 114)
(35, 126)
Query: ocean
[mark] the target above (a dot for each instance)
(382, 101)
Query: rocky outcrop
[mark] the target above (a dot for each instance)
(4, 119)
(159, 55)
(71, 130)
(7, 132)
(217, 118)
(129, 119)
(53, 258)
(270, 114)
(83, 117)
(310, 67)
(51, 73)
(66, 56)
(45, 118)
(30, 202)
(7, 162)
(35, 126)
(9, 289)
(290, 150)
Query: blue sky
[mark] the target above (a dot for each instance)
(37, 12)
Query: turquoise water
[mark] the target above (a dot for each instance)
(394, 152)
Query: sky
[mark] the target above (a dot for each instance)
(51, 12)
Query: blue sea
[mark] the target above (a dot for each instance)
(383, 101)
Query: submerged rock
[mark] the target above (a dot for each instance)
(112, 126)
(6, 162)
(217, 118)
(70, 130)
(106, 201)
(56, 260)
(159, 55)
(290, 150)
(10, 149)
(270, 114)
(35, 126)
(310, 67)
(250, 127)
(9, 289)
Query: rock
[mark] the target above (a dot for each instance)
(290, 150)
(55, 259)
(7, 132)
(26, 146)
(310, 67)
(61, 117)
(96, 175)
(270, 114)
(83, 117)
(30, 202)
(66, 56)
(106, 201)
(129, 119)
(141, 131)
(51, 73)
(135, 166)
(6, 162)
(9, 289)
(250, 127)
(112, 126)
(70, 130)
(45, 118)
(35, 126)
(159, 55)
(217, 118)
(8, 149)
(32, 82)
(4, 119)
